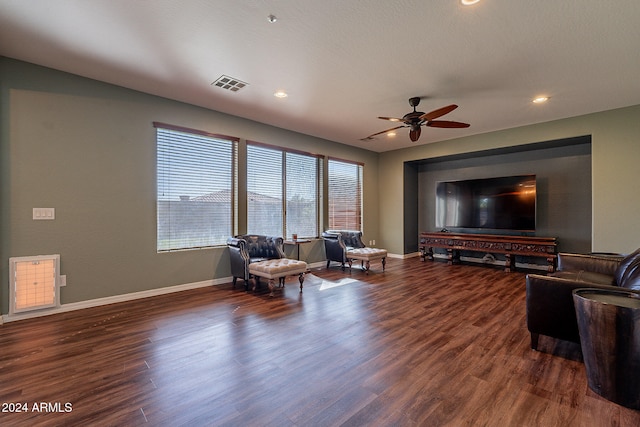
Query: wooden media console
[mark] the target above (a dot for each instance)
(510, 246)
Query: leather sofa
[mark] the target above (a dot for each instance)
(338, 242)
(248, 248)
(549, 299)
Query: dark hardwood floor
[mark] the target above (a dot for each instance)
(422, 344)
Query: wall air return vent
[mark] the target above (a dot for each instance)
(34, 283)
(229, 83)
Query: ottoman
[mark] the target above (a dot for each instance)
(278, 269)
(366, 255)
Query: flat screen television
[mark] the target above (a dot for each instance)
(502, 203)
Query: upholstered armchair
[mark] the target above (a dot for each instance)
(248, 248)
(338, 242)
(549, 303)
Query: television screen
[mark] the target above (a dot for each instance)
(504, 203)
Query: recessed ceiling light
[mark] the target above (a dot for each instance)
(540, 99)
(468, 2)
(280, 94)
(391, 134)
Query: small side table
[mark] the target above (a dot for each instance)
(297, 243)
(609, 325)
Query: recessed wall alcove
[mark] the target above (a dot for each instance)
(563, 175)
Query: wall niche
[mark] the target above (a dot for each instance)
(563, 175)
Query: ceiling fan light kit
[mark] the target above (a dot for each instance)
(416, 119)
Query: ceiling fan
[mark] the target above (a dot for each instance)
(416, 119)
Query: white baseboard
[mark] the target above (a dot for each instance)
(114, 299)
(122, 298)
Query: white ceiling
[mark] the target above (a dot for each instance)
(346, 62)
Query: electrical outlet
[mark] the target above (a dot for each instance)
(374, 243)
(370, 243)
(63, 280)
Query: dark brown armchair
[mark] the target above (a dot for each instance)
(338, 242)
(549, 301)
(249, 248)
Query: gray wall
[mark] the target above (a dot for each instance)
(563, 175)
(87, 149)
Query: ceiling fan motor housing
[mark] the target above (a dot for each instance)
(413, 117)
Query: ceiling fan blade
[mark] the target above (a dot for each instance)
(447, 124)
(380, 133)
(414, 133)
(439, 112)
(393, 119)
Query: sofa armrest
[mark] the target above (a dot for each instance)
(236, 242)
(549, 305)
(239, 257)
(593, 263)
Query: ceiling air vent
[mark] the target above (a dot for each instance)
(229, 83)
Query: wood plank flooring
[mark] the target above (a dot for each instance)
(422, 344)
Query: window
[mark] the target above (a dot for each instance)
(264, 191)
(302, 195)
(282, 191)
(197, 188)
(345, 195)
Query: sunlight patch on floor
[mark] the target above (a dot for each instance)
(326, 284)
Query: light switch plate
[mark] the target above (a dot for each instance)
(44, 213)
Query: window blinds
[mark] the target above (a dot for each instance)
(282, 192)
(345, 195)
(196, 189)
(302, 195)
(264, 191)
